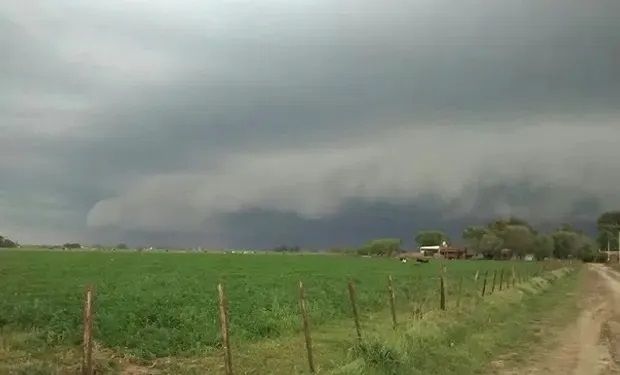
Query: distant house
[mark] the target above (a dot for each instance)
(445, 251)
(429, 251)
(528, 257)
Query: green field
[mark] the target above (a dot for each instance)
(164, 304)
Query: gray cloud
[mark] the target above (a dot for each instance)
(140, 119)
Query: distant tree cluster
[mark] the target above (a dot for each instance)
(430, 238)
(381, 247)
(287, 249)
(7, 243)
(515, 237)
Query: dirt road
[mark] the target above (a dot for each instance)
(590, 345)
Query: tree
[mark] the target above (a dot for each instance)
(543, 247)
(430, 238)
(571, 244)
(473, 236)
(5, 242)
(608, 225)
(501, 224)
(491, 245)
(72, 245)
(518, 238)
(121, 246)
(381, 247)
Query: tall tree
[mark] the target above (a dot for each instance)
(430, 238)
(543, 246)
(518, 238)
(608, 227)
(473, 236)
(491, 246)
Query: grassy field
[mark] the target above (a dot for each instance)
(165, 304)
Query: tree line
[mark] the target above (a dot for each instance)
(513, 237)
(521, 239)
(7, 243)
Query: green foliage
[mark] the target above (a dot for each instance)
(287, 249)
(521, 239)
(501, 224)
(608, 225)
(7, 243)
(465, 344)
(491, 245)
(543, 246)
(573, 245)
(518, 238)
(430, 238)
(381, 247)
(122, 246)
(72, 245)
(514, 234)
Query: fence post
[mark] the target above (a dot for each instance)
(306, 325)
(355, 314)
(494, 277)
(459, 291)
(442, 294)
(501, 279)
(224, 320)
(87, 358)
(392, 301)
(484, 285)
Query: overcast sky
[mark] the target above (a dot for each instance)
(256, 123)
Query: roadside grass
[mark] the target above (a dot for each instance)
(503, 330)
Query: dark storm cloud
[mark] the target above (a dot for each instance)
(151, 119)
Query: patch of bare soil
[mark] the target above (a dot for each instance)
(590, 345)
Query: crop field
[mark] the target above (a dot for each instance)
(154, 305)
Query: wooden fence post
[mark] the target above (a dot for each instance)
(494, 277)
(87, 344)
(355, 314)
(501, 280)
(442, 294)
(459, 291)
(484, 285)
(392, 301)
(224, 322)
(306, 325)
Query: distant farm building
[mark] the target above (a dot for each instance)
(445, 251)
(429, 251)
(449, 252)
